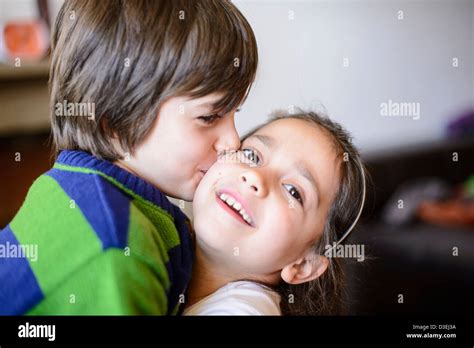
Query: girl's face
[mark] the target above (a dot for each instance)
(285, 179)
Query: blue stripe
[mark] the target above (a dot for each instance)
(105, 207)
(180, 260)
(134, 183)
(19, 289)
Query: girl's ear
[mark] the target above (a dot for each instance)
(305, 269)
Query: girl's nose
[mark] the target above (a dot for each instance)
(252, 180)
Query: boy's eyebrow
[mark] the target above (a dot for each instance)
(207, 105)
(211, 106)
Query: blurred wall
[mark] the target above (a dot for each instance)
(303, 46)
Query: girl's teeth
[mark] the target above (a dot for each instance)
(237, 206)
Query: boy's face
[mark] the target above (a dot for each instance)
(286, 196)
(183, 144)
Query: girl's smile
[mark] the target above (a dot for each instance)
(235, 205)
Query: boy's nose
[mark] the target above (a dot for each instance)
(228, 140)
(253, 181)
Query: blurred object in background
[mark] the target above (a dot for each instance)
(403, 205)
(24, 40)
(457, 210)
(420, 254)
(432, 200)
(462, 126)
(24, 30)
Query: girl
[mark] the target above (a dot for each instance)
(264, 215)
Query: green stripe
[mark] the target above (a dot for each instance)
(110, 284)
(169, 233)
(63, 236)
(146, 243)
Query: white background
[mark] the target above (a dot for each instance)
(409, 60)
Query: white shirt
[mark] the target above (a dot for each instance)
(238, 298)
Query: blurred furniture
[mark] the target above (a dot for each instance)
(414, 260)
(24, 98)
(24, 132)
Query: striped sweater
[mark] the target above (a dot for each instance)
(106, 241)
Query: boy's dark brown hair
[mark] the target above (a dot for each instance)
(129, 56)
(326, 295)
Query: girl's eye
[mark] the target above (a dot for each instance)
(251, 155)
(210, 119)
(294, 192)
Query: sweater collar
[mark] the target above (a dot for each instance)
(129, 180)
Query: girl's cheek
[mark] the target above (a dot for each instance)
(223, 168)
(280, 220)
(289, 218)
(201, 152)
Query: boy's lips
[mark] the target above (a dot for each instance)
(235, 205)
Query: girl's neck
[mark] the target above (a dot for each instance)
(206, 278)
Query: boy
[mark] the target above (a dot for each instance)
(161, 81)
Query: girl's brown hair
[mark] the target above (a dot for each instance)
(326, 295)
(129, 56)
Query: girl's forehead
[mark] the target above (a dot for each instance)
(296, 134)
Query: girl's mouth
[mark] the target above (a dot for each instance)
(231, 205)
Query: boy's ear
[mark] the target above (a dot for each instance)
(305, 269)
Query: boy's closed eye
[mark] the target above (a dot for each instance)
(209, 119)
